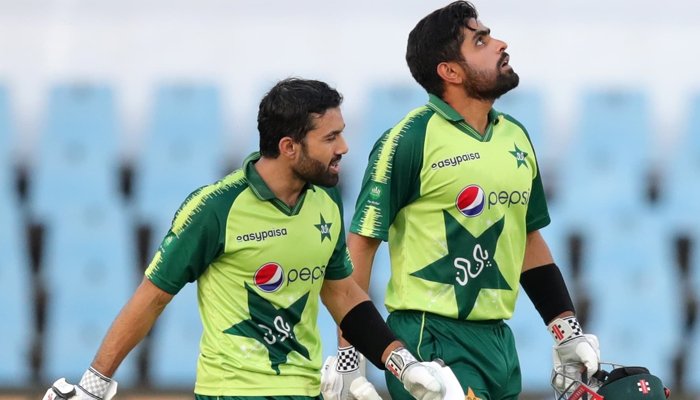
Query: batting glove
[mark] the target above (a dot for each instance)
(93, 385)
(421, 379)
(573, 352)
(343, 377)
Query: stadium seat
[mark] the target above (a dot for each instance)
(633, 281)
(692, 377)
(89, 274)
(604, 172)
(182, 151)
(6, 143)
(678, 184)
(77, 157)
(16, 293)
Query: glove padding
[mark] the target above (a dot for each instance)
(93, 385)
(573, 357)
(346, 380)
(421, 379)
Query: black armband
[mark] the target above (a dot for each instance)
(546, 289)
(365, 329)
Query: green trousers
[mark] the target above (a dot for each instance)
(481, 353)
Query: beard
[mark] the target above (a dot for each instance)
(314, 171)
(482, 85)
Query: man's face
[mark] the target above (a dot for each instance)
(322, 149)
(486, 64)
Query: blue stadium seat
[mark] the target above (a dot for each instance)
(183, 150)
(632, 278)
(6, 142)
(16, 294)
(89, 274)
(678, 184)
(175, 342)
(77, 157)
(692, 382)
(605, 169)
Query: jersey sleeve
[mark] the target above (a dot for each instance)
(339, 266)
(193, 242)
(537, 216)
(391, 180)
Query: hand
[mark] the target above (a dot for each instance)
(93, 385)
(344, 379)
(574, 352)
(421, 379)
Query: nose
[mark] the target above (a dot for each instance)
(342, 145)
(502, 45)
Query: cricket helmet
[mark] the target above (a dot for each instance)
(610, 382)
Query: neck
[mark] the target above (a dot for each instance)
(475, 112)
(280, 178)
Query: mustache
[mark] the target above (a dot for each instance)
(337, 159)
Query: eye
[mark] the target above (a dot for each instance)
(480, 41)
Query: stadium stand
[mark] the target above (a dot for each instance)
(76, 161)
(89, 274)
(6, 144)
(679, 192)
(16, 314)
(182, 150)
(605, 170)
(629, 272)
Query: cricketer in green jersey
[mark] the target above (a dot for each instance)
(263, 244)
(455, 189)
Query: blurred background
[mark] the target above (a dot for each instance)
(111, 112)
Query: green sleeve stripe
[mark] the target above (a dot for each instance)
(383, 164)
(195, 202)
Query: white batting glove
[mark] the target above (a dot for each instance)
(573, 352)
(343, 377)
(93, 385)
(421, 379)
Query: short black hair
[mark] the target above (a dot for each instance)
(435, 39)
(288, 108)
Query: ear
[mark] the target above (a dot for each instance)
(450, 72)
(288, 147)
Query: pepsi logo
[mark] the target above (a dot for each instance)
(269, 277)
(470, 201)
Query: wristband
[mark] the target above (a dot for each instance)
(348, 359)
(94, 383)
(365, 329)
(546, 289)
(565, 329)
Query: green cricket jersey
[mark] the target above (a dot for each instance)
(259, 267)
(456, 208)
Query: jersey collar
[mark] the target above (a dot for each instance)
(263, 192)
(446, 111)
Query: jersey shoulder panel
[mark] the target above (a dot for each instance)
(197, 234)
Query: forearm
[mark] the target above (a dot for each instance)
(132, 324)
(362, 251)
